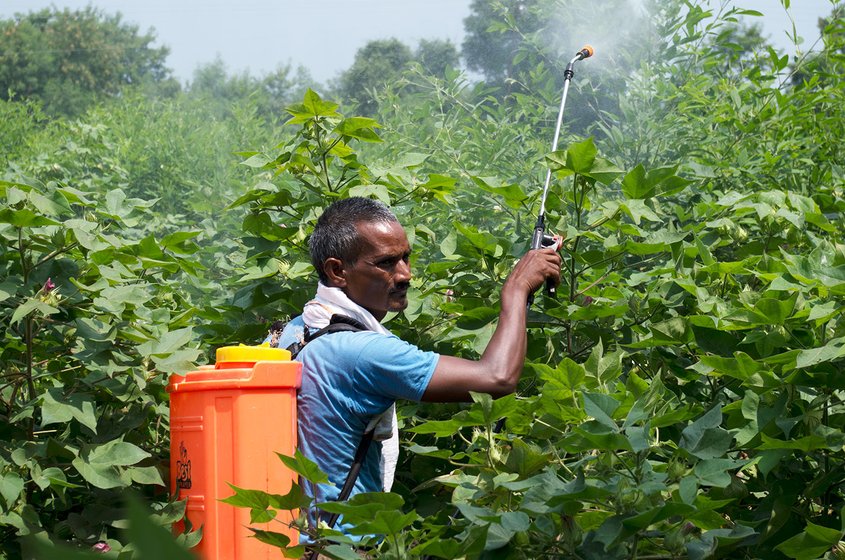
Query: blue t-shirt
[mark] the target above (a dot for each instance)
(347, 379)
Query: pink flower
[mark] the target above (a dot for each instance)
(101, 547)
(588, 300)
(49, 286)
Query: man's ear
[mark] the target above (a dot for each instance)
(335, 271)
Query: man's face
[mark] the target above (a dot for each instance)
(379, 280)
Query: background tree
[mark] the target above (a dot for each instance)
(69, 59)
(494, 33)
(376, 64)
(437, 56)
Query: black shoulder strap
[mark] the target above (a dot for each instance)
(337, 323)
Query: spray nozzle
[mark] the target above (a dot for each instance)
(586, 52)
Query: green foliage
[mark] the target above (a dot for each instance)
(376, 64)
(683, 394)
(92, 319)
(384, 63)
(68, 59)
(269, 94)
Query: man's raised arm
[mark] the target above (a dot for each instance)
(497, 371)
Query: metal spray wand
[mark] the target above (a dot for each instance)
(540, 238)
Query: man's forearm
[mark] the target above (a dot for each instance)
(505, 353)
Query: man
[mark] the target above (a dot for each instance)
(351, 380)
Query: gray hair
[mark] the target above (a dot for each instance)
(336, 234)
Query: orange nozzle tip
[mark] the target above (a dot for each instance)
(589, 49)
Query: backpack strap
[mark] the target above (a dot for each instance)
(338, 323)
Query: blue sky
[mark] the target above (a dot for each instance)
(323, 35)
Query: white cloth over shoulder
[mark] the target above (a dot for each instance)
(316, 315)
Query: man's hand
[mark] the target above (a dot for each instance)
(498, 370)
(531, 272)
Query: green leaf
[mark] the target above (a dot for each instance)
(11, 486)
(601, 407)
(245, 498)
(32, 305)
(25, 218)
(526, 458)
(634, 184)
(279, 540)
(150, 540)
(385, 522)
(312, 106)
(58, 408)
(604, 171)
(304, 467)
(705, 438)
(167, 343)
(512, 194)
(340, 552)
(101, 476)
(257, 161)
(811, 543)
(359, 127)
(114, 453)
(714, 472)
(831, 351)
(580, 156)
(146, 475)
(476, 318)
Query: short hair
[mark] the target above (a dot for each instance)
(336, 233)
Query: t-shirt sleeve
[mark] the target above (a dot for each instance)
(390, 366)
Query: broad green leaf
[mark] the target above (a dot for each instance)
(634, 184)
(257, 161)
(115, 453)
(304, 467)
(580, 156)
(102, 476)
(146, 475)
(296, 498)
(312, 106)
(705, 438)
(513, 194)
(811, 543)
(359, 127)
(11, 486)
(25, 218)
(526, 458)
(177, 362)
(279, 540)
(385, 522)
(604, 171)
(32, 305)
(340, 552)
(714, 472)
(58, 408)
(168, 343)
(245, 498)
(831, 351)
(151, 540)
(601, 407)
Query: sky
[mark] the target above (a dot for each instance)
(323, 35)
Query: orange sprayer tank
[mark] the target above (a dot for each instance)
(227, 422)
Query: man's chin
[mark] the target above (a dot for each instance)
(398, 304)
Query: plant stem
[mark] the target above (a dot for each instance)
(30, 384)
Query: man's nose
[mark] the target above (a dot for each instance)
(403, 272)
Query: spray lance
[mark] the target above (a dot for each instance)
(540, 237)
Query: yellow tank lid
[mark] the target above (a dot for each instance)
(252, 354)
